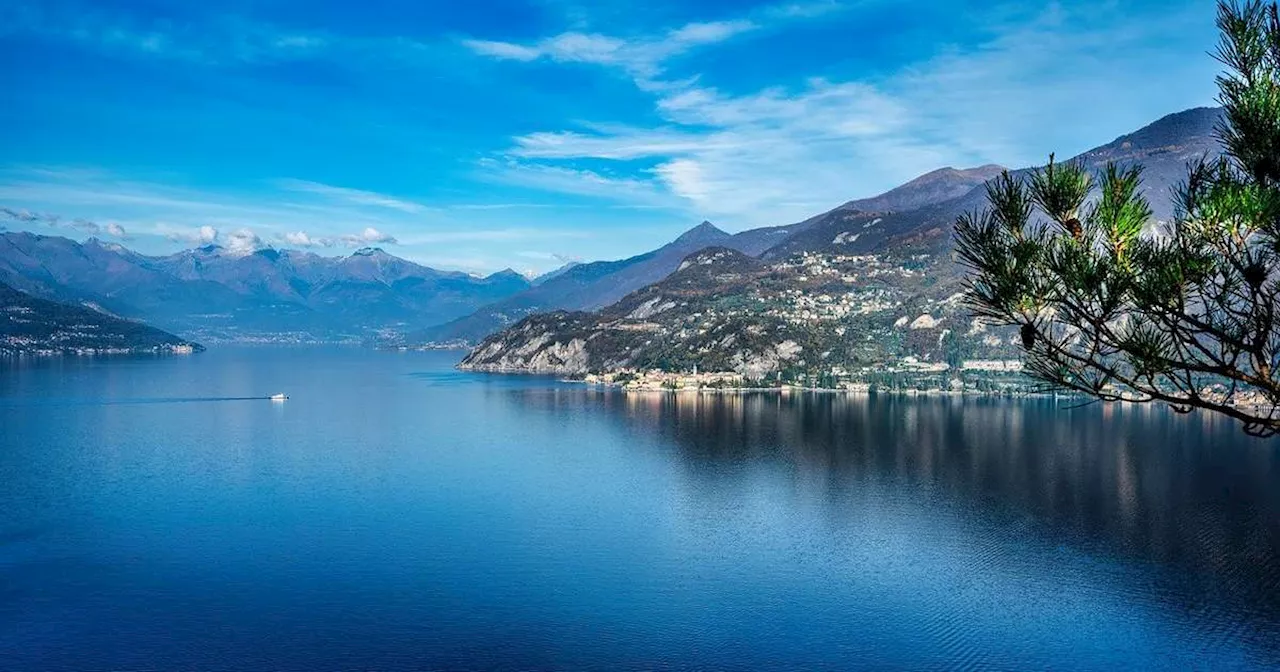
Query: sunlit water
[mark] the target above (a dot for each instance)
(396, 514)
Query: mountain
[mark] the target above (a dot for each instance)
(29, 325)
(594, 285)
(110, 276)
(551, 275)
(936, 186)
(269, 294)
(859, 286)
(725, 311)
(605, 282)
(1163, 148)
(579, 341)
(585, 286)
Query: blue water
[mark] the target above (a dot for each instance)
(397, 514)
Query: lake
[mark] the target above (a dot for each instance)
(398, 514)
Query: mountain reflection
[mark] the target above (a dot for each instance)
(1140, 483)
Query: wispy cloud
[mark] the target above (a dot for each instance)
(369, 236)
(577, 181)
(355, 196)
(781, 153)
(643, 57)
(52, 221)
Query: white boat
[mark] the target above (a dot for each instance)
(279, 397)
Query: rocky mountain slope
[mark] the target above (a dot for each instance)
(33, 326)
(726, 311)
(269, 294)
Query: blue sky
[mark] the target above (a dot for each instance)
(488, 134)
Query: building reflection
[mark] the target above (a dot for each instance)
(1136, 482)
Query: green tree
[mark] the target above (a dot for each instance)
(1113, 307)
(954, 350)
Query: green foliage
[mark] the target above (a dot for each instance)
(1114, 305)
(1059, 190)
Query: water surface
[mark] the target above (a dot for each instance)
(397, 514)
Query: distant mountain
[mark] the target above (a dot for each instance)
(551, 275)
(33, 326)
(267, 295)
(585, 286)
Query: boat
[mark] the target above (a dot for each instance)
(279, 397)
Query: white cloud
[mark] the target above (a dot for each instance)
(782, 153)
(370, 236)
(503, 50)
(301, 239)
(707, 33)
(621, 143)
(641, 58)
(204, 235)
(56, 221)
(243, 242)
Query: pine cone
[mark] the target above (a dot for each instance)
(1255, 275)
(1074, 228)
(1028, 336)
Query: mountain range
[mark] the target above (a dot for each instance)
(212, 294)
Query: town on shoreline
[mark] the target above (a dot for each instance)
(979, 377)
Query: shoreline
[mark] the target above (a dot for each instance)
(728, 383)
(798, 389)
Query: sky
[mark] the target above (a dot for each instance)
(489, 134)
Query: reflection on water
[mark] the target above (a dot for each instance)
(1190, 494)
(399, 514)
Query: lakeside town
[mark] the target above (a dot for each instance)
(984, 377)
